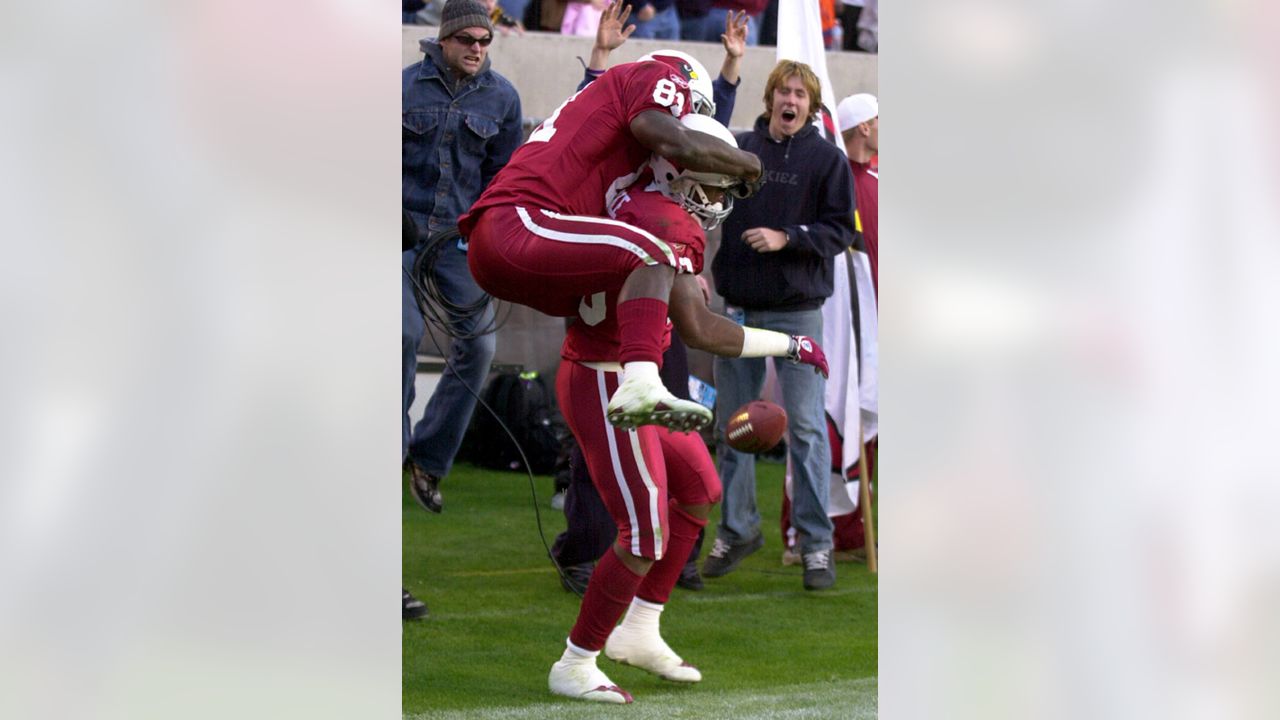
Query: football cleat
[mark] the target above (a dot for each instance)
(578, 677)
(644, 648)
(641, 401)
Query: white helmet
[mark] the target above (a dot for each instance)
(699, 80)
(686, 186)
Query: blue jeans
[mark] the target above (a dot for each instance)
(436, 438)
(713, 26)
(665, 25)
(740, 380)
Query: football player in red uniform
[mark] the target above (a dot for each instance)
(538, 235)
(658, 485)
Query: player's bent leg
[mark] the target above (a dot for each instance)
(642, 399)
(575, 675)
(634, 563)
(613, 586)
(638, 639)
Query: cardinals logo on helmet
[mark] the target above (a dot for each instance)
(692, 75)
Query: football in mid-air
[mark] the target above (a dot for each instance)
(756, 427)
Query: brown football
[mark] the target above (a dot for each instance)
(756, 427)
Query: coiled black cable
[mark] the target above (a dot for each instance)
(447, 317)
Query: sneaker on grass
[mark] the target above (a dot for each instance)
(690, 578)
(819, 571)
(575, 577)
(413, 608)
(854, 555)
(724, 558)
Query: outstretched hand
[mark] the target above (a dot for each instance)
(805, 349)
(735, 33)
(613, 29)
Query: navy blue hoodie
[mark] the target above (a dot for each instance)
(808, 192)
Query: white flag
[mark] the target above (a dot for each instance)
(800, 38)
(852, 398)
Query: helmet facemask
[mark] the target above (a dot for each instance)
(694, 199)
(690, 193)
(689, 188)
(702, 104)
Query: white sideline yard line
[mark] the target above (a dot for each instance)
(843, 699)
(446, 616)
(699, 598)
(709, 599)
(496, 573)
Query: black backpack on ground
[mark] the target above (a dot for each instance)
(523, 403)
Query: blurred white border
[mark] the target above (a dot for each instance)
(199, 503)
(1078, 302)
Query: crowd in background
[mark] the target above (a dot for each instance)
(851, 25)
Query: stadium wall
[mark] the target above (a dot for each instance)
(545, 70)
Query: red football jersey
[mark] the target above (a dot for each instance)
(866, 187)
(582, 156)
(593, 335)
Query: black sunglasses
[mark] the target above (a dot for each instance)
(468, 41)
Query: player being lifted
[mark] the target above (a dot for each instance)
(538, 235)
(658, 485)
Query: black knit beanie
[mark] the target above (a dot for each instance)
(463, 14)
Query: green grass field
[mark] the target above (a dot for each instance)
(766, 647)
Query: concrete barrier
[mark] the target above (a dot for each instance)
(545, 70)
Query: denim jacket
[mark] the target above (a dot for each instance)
(455, 138)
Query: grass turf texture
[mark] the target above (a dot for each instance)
(765, 646)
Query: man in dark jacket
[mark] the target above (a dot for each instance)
(774, 269)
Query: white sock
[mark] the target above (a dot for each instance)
(643, 614)
(573, 652)
(641, 371)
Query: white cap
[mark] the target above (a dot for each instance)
(857, 109)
